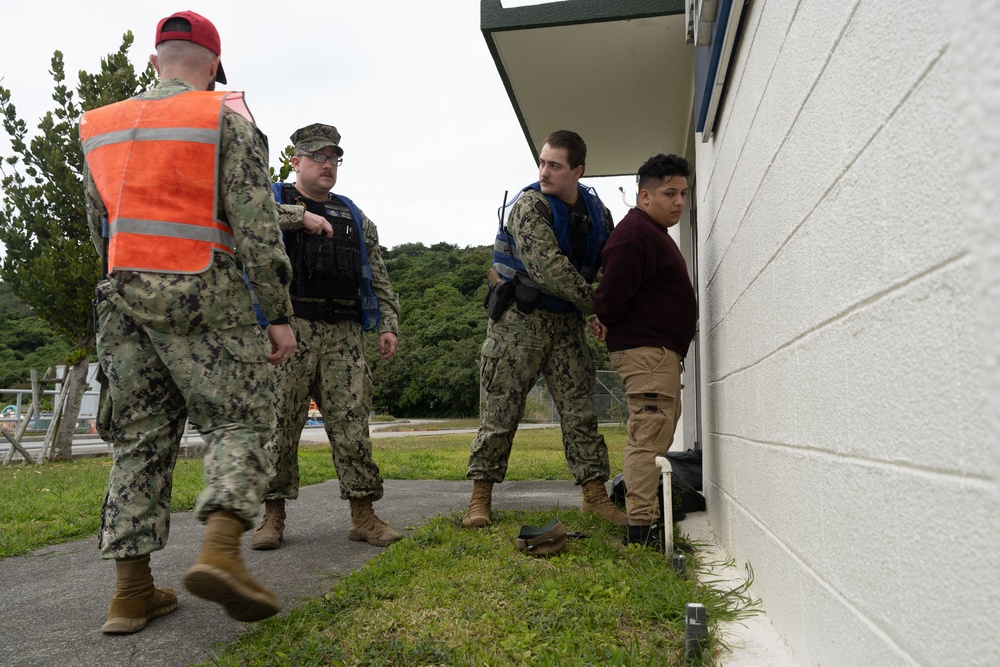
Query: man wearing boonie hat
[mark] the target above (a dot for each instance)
(178, 202)
(340, 289)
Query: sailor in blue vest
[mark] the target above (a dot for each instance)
(340, 289)
(545, 260)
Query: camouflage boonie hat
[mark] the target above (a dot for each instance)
(313, 137)
(545, 541)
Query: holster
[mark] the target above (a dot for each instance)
(498, 299)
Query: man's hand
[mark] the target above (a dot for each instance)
(600, 331)
(387, 344)
(282, 343)
(316, 224)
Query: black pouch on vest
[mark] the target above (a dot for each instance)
(526, 296)
(314, 268)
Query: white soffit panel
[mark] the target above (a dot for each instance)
(625, 86)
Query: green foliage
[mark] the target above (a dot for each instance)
(26, 342)
(599, 351)
(537, 454)
(435, 373)
(285, 158)
(446, 595)
(50, 262)
(50, 503)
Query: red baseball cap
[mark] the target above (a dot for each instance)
(202, 33)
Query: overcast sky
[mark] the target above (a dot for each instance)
(430, 138)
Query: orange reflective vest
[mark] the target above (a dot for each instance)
(155, 164)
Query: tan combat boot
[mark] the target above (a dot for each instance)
(219, 575)
(367, 527)
(136, 601)
(596, 501)
(271, 530)
(478, 514)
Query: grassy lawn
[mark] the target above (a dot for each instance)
(446, 595)
(451, 596)
(56, 502)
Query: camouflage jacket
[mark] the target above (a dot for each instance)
(290, 218)
(217, 298)
(530, 225)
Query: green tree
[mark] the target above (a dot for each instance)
(285, 160)
(442, 326)
(51, 263)
(26, 342)
(441, 329)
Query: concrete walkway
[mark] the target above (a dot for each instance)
(55, 599)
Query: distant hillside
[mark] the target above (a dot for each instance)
(442, 326)
(26, 343)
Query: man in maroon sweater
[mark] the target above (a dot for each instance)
(646, 313)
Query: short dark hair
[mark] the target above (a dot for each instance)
(661, 166)
(176, 24)
(576, 149)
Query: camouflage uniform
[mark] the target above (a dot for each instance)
(329, 365)
(180, 346)
(520, 346)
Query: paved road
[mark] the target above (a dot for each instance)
(90, 446)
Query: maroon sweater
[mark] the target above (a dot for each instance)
(645, 297)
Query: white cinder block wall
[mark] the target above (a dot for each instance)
(978, 107)
(848, 432)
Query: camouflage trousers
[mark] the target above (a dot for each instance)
(518, 348)
(219, 381)
(328, 365)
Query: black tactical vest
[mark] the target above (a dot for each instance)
(322, 267)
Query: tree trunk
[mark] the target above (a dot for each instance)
(62, 448)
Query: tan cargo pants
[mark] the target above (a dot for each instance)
(652, 379)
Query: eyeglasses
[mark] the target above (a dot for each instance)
(321, 158)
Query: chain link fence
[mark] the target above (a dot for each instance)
(609, 401)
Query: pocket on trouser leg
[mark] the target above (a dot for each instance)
(105, 408)
(234, 391)
(489, 360)
(246, 372)
(651, 423)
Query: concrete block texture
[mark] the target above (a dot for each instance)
(849, 253)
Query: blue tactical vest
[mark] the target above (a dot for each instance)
(508, 263)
